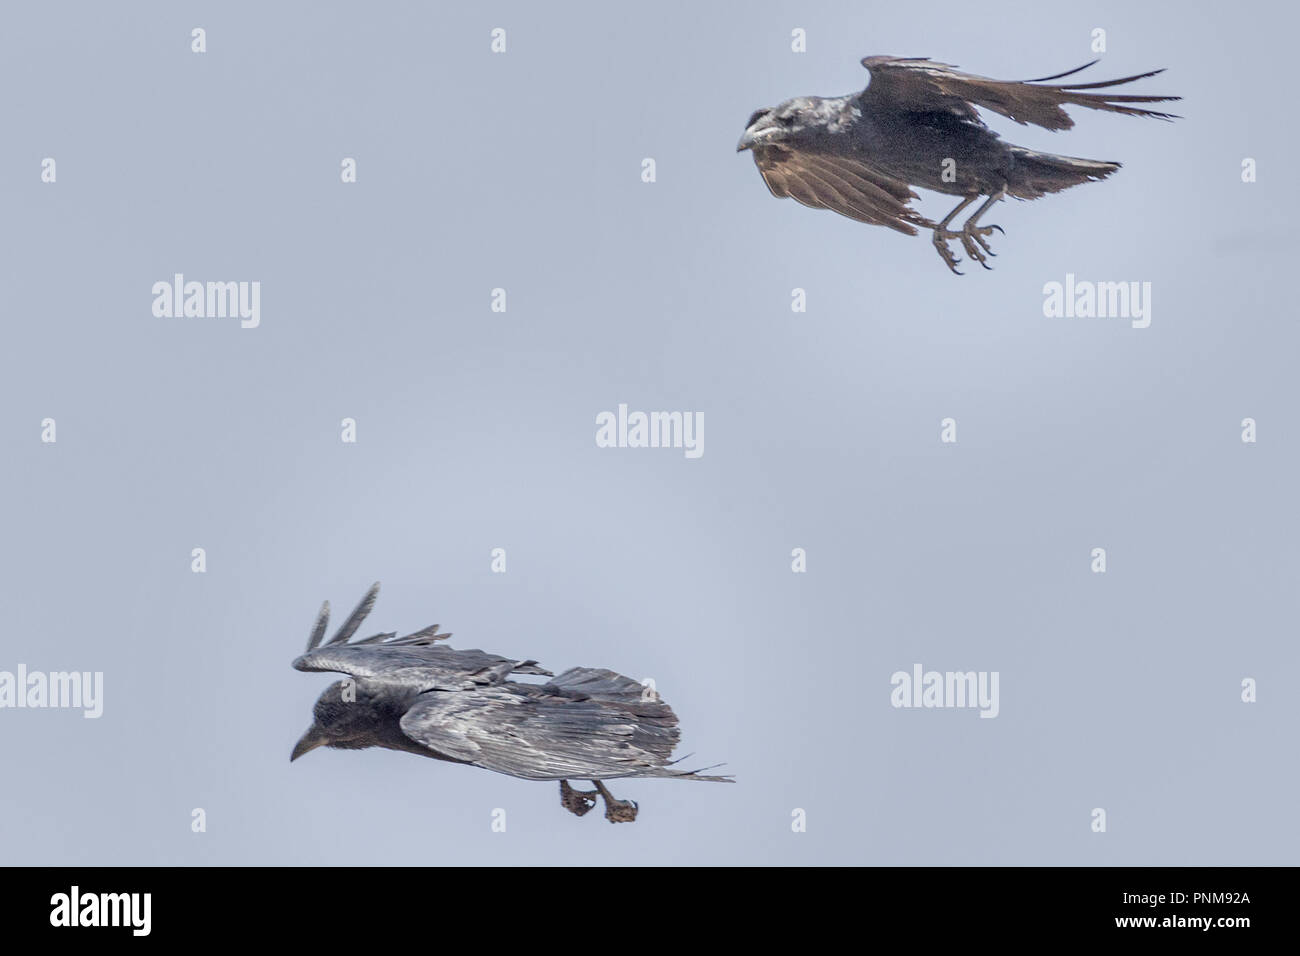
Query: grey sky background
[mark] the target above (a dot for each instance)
(476, 430)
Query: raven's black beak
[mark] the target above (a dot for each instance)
(760, 131)
(307, 743)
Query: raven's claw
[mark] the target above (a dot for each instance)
(941, 237)
(576, 802)
(972, 240)
(971, 235)
(616, 811)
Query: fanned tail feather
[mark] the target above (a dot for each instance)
(1037, 174)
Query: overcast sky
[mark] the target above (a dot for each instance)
(476, 430)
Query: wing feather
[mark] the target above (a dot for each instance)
(319, 628)
(359, 613)
(589, 723)
(839, 183)
(416, 660)
(422, 666)
(918, 84)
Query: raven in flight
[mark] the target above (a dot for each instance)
(411, 693)
(916, 124)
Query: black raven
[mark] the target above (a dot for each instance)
(413, 694)
(916, 124)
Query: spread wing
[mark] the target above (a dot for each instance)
(416, 660)
(838, 183)
(918, 84)
(423, 666)
(589, 722)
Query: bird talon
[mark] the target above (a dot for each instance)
(577, 802)
(940, 239)
(620, 811)
(616, 811)
(972, 238)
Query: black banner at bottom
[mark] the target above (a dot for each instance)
(333, 905)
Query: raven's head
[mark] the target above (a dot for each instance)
(341, 719)
(782, 123)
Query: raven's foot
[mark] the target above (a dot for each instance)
(616, 811)
(940, 240)
(576, 802)
(972, 240)
(972, 234)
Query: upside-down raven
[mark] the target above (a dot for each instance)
(916, 124)
(413, 694)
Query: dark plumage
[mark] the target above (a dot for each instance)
(916, 124)
(422, 697)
